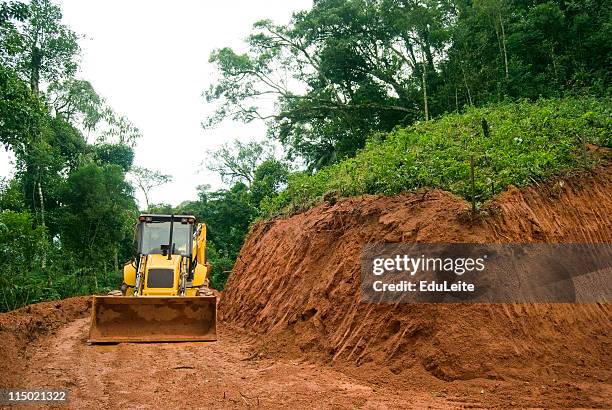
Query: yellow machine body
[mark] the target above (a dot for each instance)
(165, 295)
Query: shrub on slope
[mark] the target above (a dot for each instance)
(525, 142)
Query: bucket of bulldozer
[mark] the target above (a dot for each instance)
(153, 319)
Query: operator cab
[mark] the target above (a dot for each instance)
(166, 234)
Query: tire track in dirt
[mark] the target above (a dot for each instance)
(223, 374)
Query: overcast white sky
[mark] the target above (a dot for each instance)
(149, 59)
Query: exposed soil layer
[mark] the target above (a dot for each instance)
(21, 328)
(223, 374)
(297, 283)
(293, 333)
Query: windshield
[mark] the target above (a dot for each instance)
(155, 234)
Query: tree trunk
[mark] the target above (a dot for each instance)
(116, 255)
(425, 105)
(467, 87)
(503, 33)
(456, 101)
(411, 52)
(554, 62)
(41, 199)
(499, 40)
(147, 201)
(43, 262)
(429, 55)
(95, 281)
(34, 195)
(35, 63)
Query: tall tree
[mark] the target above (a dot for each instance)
(98, 216)
(237, 162)
(69, 198)
(146, 179)
(339, 72)
(269, 178)
(42, 48)
(347, 68)
(77, 102)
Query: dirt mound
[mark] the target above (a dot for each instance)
(297, 280)
(19, 328)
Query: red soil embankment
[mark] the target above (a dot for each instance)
(297, 281)
(22, 327)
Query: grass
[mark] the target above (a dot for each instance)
(527, 142)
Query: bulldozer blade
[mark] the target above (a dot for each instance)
(118, 319)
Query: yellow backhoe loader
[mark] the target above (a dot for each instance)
(165, 295)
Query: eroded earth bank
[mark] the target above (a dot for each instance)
(293, 333)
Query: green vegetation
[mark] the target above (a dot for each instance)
(348, 68)
(378, 96)
(525, 143)
(66, 216)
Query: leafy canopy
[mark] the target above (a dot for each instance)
(346, 69)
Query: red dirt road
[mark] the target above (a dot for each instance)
(43, 349)
(197, 375)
